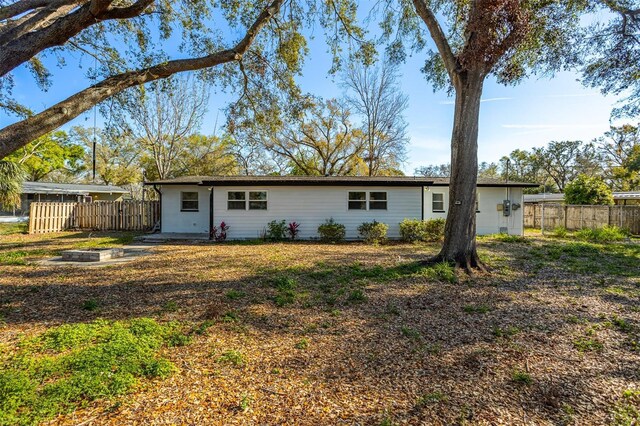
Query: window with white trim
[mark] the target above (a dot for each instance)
(257, 200)
(188, 201)
(437, 202)
(247, 200)
(377, 200)
(477, 203)
(236, 200)
(367, 200)
(357, 200)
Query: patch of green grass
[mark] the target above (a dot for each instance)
(235, 294)
(356, 296)
(410, 333)
(476, 309)
(602, 235)
(70, 365)
(204, 326)
(442, 271)
(560, 232)
(302, 344)
(14, 228)
(430, 398)
(627, 410)
(508, 331)
(521, 377)
(90, 305)
(322, 274)
(177, 338)
(19, 257)
(622, 324)
(585, 344)
(387, 421)
(573, 319)
(119, 239)
(508, 238)
(245, 402)
(230, 316)
(286, 290)
(232, 357)
(170, 306)
(284, 298)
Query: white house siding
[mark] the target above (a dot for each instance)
(489, 220)
(311, 205)
(173, 220)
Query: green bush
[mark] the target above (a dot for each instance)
(602, 235)
(560, 232)
(434, 229)
(373, 232)
(331, 232)
(587, 190)
(277, 231)
(412, 230)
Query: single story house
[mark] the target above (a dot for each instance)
(61, 192)
(194, 204)
(628, 198)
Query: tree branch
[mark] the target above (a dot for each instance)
(19, 134)
(21, 7)
(37, 20)
(438, 36)
(24, 46)
(127, 12)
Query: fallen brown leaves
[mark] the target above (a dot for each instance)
(413, 352)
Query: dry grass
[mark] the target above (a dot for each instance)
(304, 333)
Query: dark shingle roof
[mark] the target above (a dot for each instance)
(326, 181)
(69, 188)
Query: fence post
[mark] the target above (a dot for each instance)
(31, 217)
(542, 219)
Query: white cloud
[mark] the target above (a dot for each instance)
(481, 100)
(495, 99)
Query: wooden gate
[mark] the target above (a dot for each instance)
(99, 215)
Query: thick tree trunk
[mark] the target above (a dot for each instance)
(460, 229)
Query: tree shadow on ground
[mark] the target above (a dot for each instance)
(376, 322)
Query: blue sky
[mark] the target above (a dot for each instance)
(524, 116)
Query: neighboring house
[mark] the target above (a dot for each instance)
(631, 198)
(48, 191)
(247, 203)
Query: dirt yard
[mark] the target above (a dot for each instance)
(312, 334)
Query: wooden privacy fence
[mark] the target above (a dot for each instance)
(574, 217)
(99, 215)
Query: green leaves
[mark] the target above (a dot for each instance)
(588, 190)
(11, 178)
(68, 366)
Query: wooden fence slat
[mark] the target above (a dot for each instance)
(98, 215)
(574, 217)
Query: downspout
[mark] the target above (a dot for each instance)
(422, 204)
(211, 213)
(155, 188)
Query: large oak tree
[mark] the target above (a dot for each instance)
(505, 39)
(131, 40)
